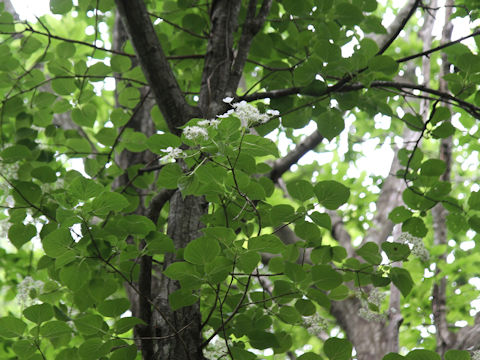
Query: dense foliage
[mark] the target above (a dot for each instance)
(155, 202)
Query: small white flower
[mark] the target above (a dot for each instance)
(376, 297)
(24, 290)
(476, 355)
(173, 153)
(226, 115)
(214, 123)
(203, 123)
(417, 246)
(194, 132)
(228, 100)
(315, 324)
(272, 112)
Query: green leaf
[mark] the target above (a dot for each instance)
(181, 298)
(262, 340)
(474, 222)
(20, 234)
(24, 348)
(158, 142)
(129, 97)
(369, 251)
(15, 153)
(45, 174)
(89, 324)
(106, 136)
(309, 356)
(124, 353)
(415, 226)
(248, 261)
(69, 275)
(295, 271)
(399, 214)
(457, 355)
(266, 243)
(39, 313)
(134, 141)
(331, 194)
(443, 131)
(339, 293)
(305, 307)
(319, 297)
(457, 223)
(120, 63)
(84, 189)
(337, 349)
(92, 349)
(384, 64)
(348, 14)
(11, 327)
(402, 280)
(393, 356)
(159, 243)
(433, 167)
(169, 175)
(54, 329)
(321, 219)
(60, 6)
(64, 86)
(414, 199)
(137, 224)
(258, 146)
(474, 200)
(109, 201)
(421, 354)
(99, 69)
(85, 115)
(289, 315)
(57, 242)
(300, 189)
(330, 124)
(114, 307)
(396, 251)
(325, 277)
(179, 270)
(125, 324)
(201, 250)
(282, 213)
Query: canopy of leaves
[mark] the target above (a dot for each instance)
(151, 171)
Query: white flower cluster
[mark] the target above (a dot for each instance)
(200, 130)
(315, 324)
(25, 288)
(172, 154)
(476, 355)
(216, 348)
(376, 298)
(370, 315)
(195, 132)
(417, 247)
(247, 113)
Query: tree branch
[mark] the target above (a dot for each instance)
(219, 56)
(282, 165)
(252, 25)
(397, 26)
(168, 95)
